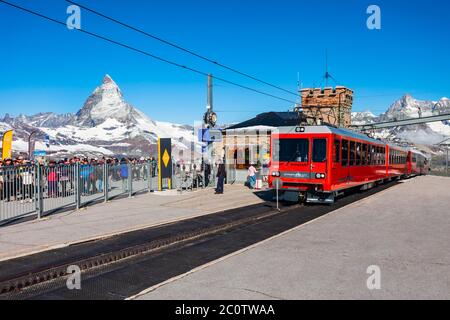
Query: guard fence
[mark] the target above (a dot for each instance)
(41, 190)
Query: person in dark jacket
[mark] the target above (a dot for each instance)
(221, 175)
(153, 166)
(206, 168)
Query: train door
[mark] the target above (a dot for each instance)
(319, 158)
(343, 173)
(337, 175)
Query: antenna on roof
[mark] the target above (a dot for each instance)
(327, 74)
(299, 88)
(299, 84)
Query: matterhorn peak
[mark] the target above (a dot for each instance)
(107, 79)
(106, 102)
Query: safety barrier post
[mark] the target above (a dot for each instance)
(105, 181)
(39, 192)
(130, 181)
(149, 176)
(77, 187)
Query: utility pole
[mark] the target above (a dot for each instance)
(209, 105)
(446, 161)
(209, 122)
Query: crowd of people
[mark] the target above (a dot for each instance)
(18, 177)
(22, 161)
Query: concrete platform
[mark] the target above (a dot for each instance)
(117, 216)
(404, 230)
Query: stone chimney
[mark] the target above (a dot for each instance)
(329, 105)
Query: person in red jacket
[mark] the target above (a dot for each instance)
(52, 180)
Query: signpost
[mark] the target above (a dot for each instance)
(164, 162)
(39, 153)
(278, 183)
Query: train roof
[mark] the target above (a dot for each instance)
(339, 131)
(418, 152)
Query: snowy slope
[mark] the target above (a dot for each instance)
(408, 107)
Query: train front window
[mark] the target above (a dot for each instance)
(291, 150)
(319, 150)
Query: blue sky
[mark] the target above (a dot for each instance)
(46, 67)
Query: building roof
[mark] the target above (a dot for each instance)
(270, 119)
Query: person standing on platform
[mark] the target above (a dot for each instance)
(251, 176)
(221, 175)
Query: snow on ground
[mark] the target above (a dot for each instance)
(440, 128)
(22, 146)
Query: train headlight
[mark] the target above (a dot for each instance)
(320, 176)
(275, 174)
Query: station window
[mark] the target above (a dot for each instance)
(319, 150)
(337, 151)
(352, 153)
(344, 153)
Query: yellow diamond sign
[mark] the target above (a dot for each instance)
(165, 158)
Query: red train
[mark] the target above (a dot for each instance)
(317, 163)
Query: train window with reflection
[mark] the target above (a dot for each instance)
(358, 154)
(319, 153)
(336, 151)
(290, 150)
(344, 153)
(372, 155)
(380, 155)
(352, 153)
(364, 155)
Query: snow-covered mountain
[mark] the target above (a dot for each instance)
(106, 124)
(408, 107)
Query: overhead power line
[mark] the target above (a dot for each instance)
(147, 53)
(182, 48)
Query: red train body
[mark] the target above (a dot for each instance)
(317, 163)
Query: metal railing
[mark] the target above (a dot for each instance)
(40, 190)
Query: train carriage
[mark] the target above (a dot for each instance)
(418, 163)
(317, 163)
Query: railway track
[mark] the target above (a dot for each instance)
(124, 265)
